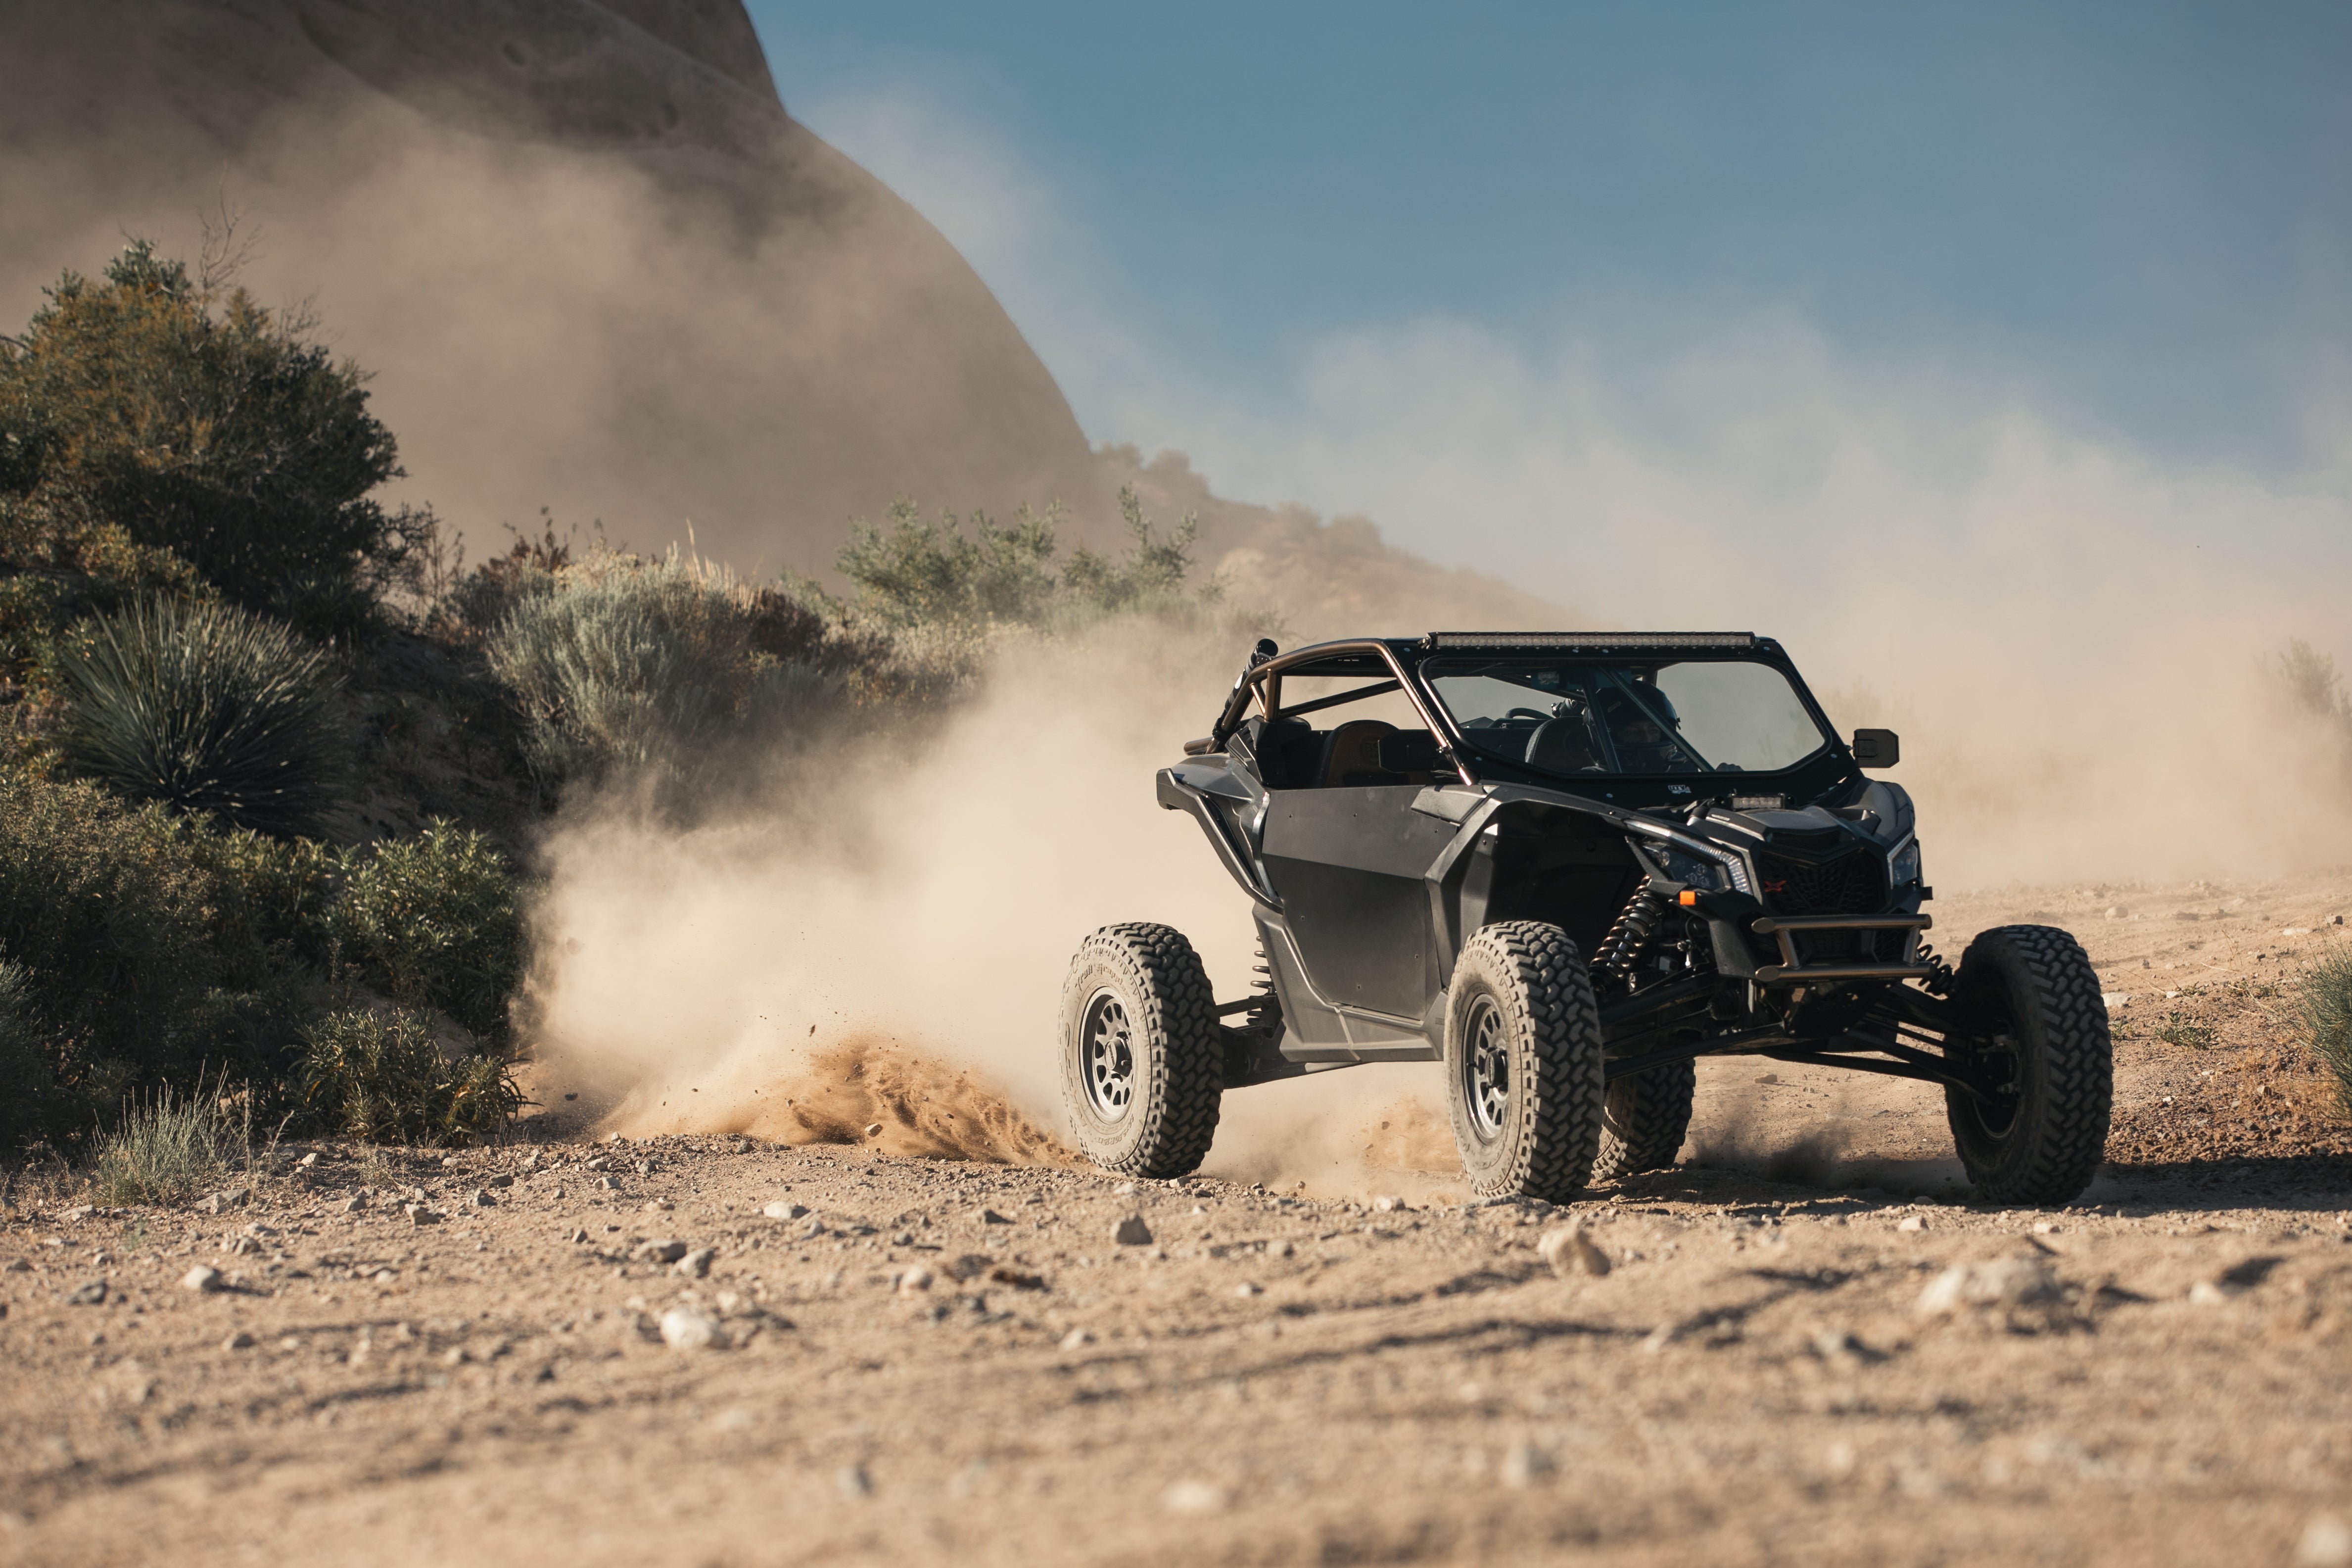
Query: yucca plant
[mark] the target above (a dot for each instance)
(210, 710)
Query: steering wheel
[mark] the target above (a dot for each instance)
(1528, 713)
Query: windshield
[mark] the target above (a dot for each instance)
(1693, 716)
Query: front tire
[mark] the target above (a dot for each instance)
(1142, 1053)
(1523, 1063)
(2041, 1143)
(1645, 1119)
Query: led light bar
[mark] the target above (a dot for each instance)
(1588, 641)
(1759, 801)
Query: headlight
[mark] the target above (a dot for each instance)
(1692, 870)
(1903, 865)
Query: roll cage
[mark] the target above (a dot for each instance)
(1395, 664)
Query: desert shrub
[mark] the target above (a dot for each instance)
(923, 573)
(436, 921)
(382, 1078)
(2327, 1019)
(269, 898)
(927, 575)
(205, 427)
(618, 662)
(105, 913)
(207, 710)
(475, 603)
(1150, 576)
(31, 1094)
(143, 950)
(168, 1147)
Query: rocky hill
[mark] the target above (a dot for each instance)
(597, 267)
(595, 264)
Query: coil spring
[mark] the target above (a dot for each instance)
(1941, 974)
(1621, 948)
(1266, 1008)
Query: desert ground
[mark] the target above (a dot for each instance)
(1808, 1345)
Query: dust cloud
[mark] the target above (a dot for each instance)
(924, 897)
(871, 950)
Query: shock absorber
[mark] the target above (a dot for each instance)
(1623, 947)
(1265, 1014)
(1940, 980)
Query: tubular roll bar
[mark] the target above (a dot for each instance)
(1791, 969)
(1264, 682)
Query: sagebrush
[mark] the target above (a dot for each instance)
(934, 575)
(622, 663)
(106, 918)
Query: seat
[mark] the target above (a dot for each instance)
(1562, 745)
(1351, 755)
(1289, 754)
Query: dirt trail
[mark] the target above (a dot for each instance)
(1817, 1358)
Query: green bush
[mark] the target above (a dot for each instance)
(922, 573)
(436, 922)
(32, 1101)
(383, 1078)
(221, 437)
(105, 911)
(269, 898)
(2327, 1019)
(143, 951)
(619, 663)
(933, 574)
(207, 710)
(168, 1148)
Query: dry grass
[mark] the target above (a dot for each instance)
(169, 1148)
(2326, 996)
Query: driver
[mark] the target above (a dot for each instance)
(1644, 744)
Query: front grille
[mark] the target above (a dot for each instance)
(1851, 884)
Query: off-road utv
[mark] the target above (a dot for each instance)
(1566, 865)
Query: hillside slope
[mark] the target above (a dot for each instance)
(595, 264)
(595, 268)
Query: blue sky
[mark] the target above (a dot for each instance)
(2139, 215)
(1900, 329)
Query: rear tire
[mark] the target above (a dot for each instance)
(1645, 1119)
(1523, 1067)
(1142, 1053)
(2042, 1144)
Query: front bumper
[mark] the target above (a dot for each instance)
(1793, 971)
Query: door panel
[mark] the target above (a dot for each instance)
(1347, 865)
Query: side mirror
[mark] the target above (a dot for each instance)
(1408, 752)
(1877, 747)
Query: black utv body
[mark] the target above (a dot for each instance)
(1566, 865)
